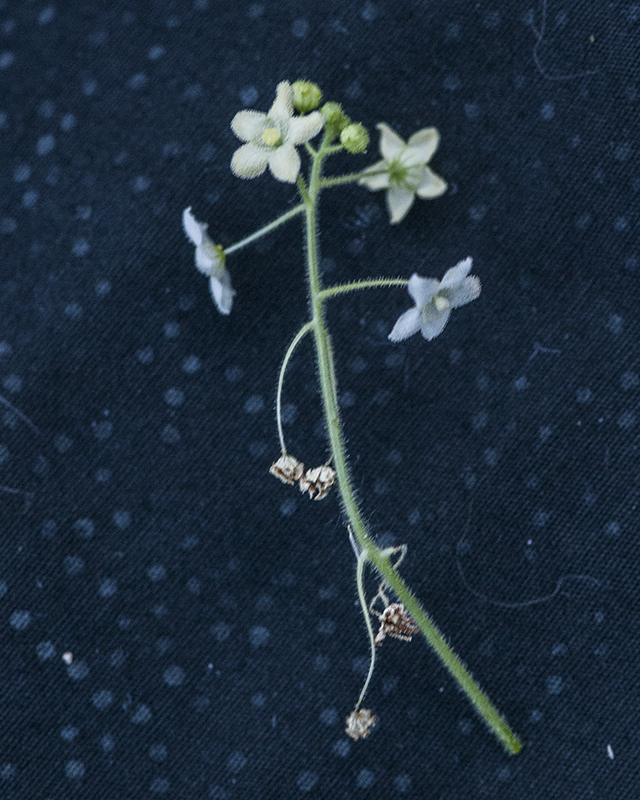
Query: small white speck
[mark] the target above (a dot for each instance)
(67, 657)
(610, 751)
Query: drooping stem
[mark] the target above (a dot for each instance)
(294, 343)
(380, 559)
(361, 563)
(266, 229)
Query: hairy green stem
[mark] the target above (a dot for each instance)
(351, 177)
(377, 557)
(374, 283)
(266, 229)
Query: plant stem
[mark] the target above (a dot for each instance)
(352, 177)
(370, 551)
(294, 343)
(374, 283)
(362, 561)
(266, 229)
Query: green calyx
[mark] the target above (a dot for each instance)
(306, 96)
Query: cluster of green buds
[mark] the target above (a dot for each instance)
(353, 136)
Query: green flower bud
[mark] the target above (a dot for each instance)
(354, 138)
(336, 118)
(306, 96)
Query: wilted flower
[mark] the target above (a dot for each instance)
(317, 481)
(210, 260)
(272, 138)
(434, 300)
(359, 723)
(403, 171)
(287, 468)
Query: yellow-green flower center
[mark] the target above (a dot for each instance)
(271, 136)
(441, 303)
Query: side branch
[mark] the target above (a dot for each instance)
(373, 283)
(294, 343)
(266, 229)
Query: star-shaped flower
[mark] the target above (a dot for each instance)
(272, 138)
(434, 300)
(403, 171)
(210, 260)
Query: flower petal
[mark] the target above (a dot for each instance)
(399, 201)
(301, 129)
(284, 163)
(407, 324)
(422, 145)
(453, 277)
(195, 230)
(391, 145)
(282, 108)
(432, 185)
(422, 290)
(465, 293)
(222, 291)
(432, 321)
(248, 125)
(375, 182)
(249, 161)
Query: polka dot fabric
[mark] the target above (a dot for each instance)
(174, 622)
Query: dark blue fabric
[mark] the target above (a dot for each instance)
(208, 612)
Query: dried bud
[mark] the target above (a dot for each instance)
(287, 468)
(306, 96)
(359, 724)
(317, 481)
(396, 621)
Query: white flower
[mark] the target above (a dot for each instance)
(403, 171)
(434, 301)
(210, 260)
(272, 138)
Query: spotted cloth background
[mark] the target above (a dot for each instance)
(173, 621)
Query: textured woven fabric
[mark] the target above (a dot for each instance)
(173, 621)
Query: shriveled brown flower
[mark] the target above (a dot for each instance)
(287, 468)
(359, 723)
(317, 481)
(396, 621)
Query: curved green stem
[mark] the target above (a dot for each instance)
(266, 229)
(294, 343)
(373, 283)
(377, 557)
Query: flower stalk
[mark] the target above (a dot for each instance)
(369, 550)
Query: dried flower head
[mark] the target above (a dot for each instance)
(287, 468)
(359, 724)
(396, 621)
(317, 481)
